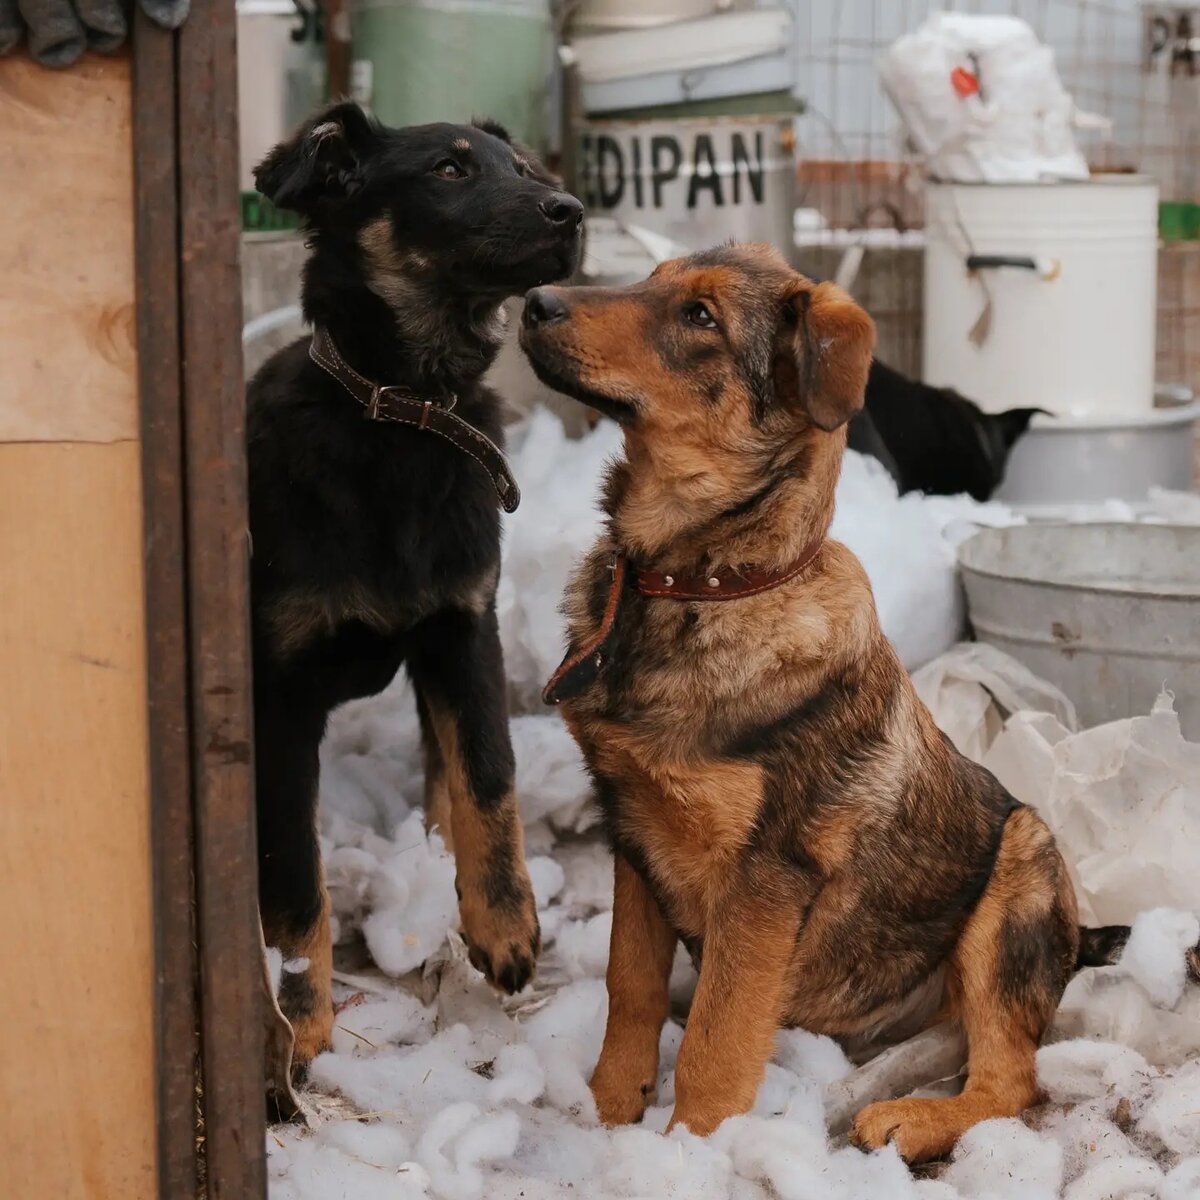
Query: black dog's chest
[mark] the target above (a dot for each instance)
(361, 522)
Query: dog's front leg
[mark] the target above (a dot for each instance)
(738, 1006)
(458, 668)
(639, 968)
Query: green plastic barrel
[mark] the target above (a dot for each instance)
(449, 60)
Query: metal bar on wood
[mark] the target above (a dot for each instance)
(208, 995)
(157, 253)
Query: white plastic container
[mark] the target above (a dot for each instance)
(1043, 295)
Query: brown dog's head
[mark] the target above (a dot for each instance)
(727, 348)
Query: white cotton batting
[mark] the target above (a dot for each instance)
(1173, 1116)
(1183, 1181)
(1117, 1179)
(547, 878)
(1005, 1160)
(459, 1142)
(1155, 953)
(385, 1021)
(1075, 1070)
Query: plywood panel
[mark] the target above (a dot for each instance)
(66, 257)
(76, 1070)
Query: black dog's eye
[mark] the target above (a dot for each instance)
(449, 169)
(699, 316)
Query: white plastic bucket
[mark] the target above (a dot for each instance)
(1057, 282)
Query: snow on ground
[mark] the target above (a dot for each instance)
(437, 1089)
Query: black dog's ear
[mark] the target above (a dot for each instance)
(534, 167)
(493, 127)
(831, 345)
(322, 162)
(1014, 422)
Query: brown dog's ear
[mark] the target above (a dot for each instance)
(322, 162)
(833, 340)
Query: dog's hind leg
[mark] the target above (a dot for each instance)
(292, 897)
(1007, 975)
(639, 969)
(437, 785)
(457, 666)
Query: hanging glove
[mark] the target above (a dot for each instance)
(11, 26)
(58, 31)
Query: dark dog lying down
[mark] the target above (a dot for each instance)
(933, 439)
(777, 796)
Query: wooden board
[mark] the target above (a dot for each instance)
(77, 1068)
(66, 260)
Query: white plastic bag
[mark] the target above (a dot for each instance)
(983, 103)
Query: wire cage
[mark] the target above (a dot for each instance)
(1136, 63)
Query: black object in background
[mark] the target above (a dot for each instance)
(932, 439)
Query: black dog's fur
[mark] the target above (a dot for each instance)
(933, 439)
(374, 545)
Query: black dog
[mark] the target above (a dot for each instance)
(932, 439)
(376, 542)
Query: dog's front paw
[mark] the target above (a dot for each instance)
(620, 1100)
(503, 941)
(919, 1129)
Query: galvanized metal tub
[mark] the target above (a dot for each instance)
(698, 181)
(1109, 613)
(1063, 461)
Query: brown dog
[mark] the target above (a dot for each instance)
(777, 795)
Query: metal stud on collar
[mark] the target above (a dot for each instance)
(714, 582)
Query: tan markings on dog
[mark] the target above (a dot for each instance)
(305, 993)
(828, 856)
(639, 968)
(691, 823)
(495, 896)
(395, 276)
(437, 785)
(297, 618)
(461, 144)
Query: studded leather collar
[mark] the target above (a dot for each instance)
(584, 663)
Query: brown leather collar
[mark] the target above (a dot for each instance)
(403, 407)
(730, 583)
(584, 663)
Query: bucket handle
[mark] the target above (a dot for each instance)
(1046, 268)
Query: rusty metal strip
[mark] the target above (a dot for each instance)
(218, 598)
(159, 390)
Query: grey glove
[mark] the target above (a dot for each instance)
(58, 31)
(11, 26)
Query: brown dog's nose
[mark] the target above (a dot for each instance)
(561, 209)
(544, 306)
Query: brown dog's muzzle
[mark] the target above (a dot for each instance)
(544, 306)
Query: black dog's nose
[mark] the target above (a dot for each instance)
(561, 209)
(543, 306)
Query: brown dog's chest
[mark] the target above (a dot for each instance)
(684, 826)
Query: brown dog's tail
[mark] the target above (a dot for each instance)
(1102, 947)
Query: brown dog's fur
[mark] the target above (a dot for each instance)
(777, 795)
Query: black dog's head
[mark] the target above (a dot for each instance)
(454, 207)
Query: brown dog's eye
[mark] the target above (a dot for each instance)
(448, 169)
(699, 316)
